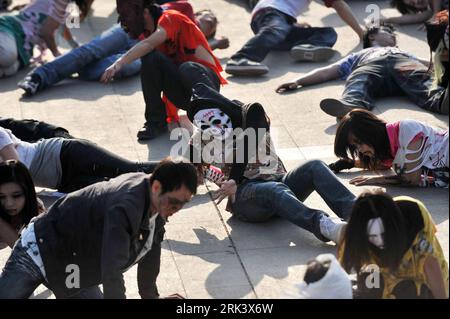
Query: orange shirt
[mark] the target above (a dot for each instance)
(183, 37)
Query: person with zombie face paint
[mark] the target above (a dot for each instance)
(175, 56)
(397, 237)
(255, 180)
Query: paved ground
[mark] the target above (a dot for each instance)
(208, 254)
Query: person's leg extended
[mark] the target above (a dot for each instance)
(9, 58)
(310, 44)
(271, 28)
(363, 85)
(258, 201)
(20, 276)
(415, 82)
(94, 71)
(160, 75)
(316, 176)
(82, 160)
(112, 41)
(193, 73)
(323, 37)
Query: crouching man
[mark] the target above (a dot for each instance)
(94, 235)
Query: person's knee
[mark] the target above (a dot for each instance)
(187, 68)
(316, 165)
(151, 59)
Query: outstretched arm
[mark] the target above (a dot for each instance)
(316, 76)
(347, 15)
(139, 50)
(411, 178)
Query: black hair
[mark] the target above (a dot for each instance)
(373, 30)
(404, 8)
(357, 250)
(316, 270)
(368, 129)
(13, 171)
(174, 174)
(155, 11)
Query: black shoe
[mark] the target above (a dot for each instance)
(151, 131)
(30, 84)
(336, 108)
(245, 67)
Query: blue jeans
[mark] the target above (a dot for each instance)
(21, 276)
(393, 75)
(91, 59)
(275, 30)
(258, 201)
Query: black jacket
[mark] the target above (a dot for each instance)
(101, 229)
(31, 130)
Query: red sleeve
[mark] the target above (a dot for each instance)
(170, 24)
(329, 3)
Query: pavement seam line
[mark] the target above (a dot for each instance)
(232, 242)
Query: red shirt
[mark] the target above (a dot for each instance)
(183, 38)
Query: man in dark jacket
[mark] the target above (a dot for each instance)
(94, 235)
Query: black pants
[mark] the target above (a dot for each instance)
(84, 163)
(393, 75)
(160, 74)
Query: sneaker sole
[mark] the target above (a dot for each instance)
(312, 55)
(247, 71)
(335, 107)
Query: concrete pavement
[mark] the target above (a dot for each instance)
(206, 253)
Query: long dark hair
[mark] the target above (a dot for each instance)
(368, 129)
(13, 171)
(371, 205)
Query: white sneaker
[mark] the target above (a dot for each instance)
(332, 229)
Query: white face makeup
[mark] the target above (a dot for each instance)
(213, 122)
(375, 232)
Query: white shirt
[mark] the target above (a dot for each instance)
(29, 242)
(25, 150)
(291, 7)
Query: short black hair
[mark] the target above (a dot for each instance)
(403, 8)
(316, 270)
(368, 129)
(367, 43)
(13, 171)
(173, 174)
